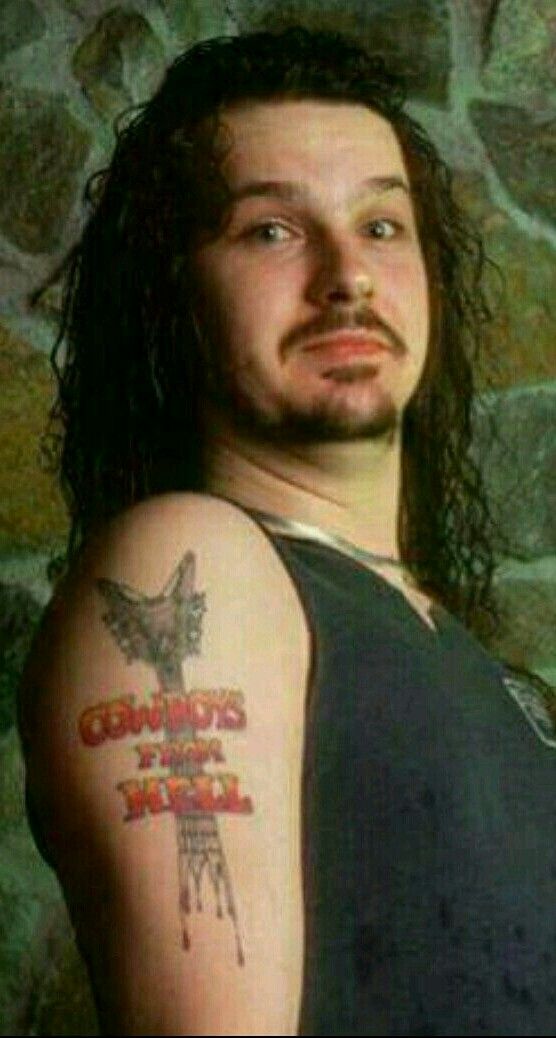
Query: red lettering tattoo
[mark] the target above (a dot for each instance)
(161, 632)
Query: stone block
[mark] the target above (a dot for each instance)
(32, 513)
(21, 23)
(43, 984)
(19, 617)
(524, 328)
(526, 597)
(197, 19)
(483, 13)
(520, 466)
(63, 1003)
(412, 34)
(29, 896)
(12, 782)
(120, 62)
(44, 988)
(31, 571)
(43, 151)
(522, 149)
(519, 46)
(88, 10)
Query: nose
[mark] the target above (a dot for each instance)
(342, 272)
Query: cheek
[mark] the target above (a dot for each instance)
(407, 293)
(217, 294)
(269, 283)
(245, 294)
(264, 310)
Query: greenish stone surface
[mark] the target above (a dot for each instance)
(120, 62)
(12, 809)
(64, 1004)
(32, 513)
(520, 466)
(19, 617)
(21, 22)
(522, 290)
(483, 12)
(197, 19)
(28, 897)
(522, 149)
(90, 10)
(30, 571)
(520, 51)
(412, 34)
(526, 596)
(43, 150)
(44, 987)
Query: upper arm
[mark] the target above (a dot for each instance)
(164, 730)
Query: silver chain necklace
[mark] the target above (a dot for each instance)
(293, 528)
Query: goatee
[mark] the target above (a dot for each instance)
(325, 421)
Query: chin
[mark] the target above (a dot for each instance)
(335, 428)
(326, 422)
(348, 406)
(344, 415)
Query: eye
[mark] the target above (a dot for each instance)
(270, 232)
(383, 229)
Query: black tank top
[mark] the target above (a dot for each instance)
(429, 821)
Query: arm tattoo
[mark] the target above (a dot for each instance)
(162, 631)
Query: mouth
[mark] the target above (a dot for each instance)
(346, 344)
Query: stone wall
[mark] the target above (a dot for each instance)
(482, 78)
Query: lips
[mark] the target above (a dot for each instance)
(342, 345)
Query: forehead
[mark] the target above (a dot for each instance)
(336, 144)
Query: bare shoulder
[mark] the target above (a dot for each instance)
(152, 534)
(147, 548)
(167, 687)
(181, 575)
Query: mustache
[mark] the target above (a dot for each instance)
(339, 319)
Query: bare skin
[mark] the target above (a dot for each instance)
(321, 244)
(163, 708)
(162, 716)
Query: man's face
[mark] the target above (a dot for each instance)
(312, 303)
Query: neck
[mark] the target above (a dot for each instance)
(351, 489)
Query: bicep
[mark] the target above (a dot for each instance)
(177, 730)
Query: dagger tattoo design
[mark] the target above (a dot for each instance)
(163, 631)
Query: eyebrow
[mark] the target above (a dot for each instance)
(292, 191)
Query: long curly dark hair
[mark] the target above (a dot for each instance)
(129, 383)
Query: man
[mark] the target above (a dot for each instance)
(284, 789)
